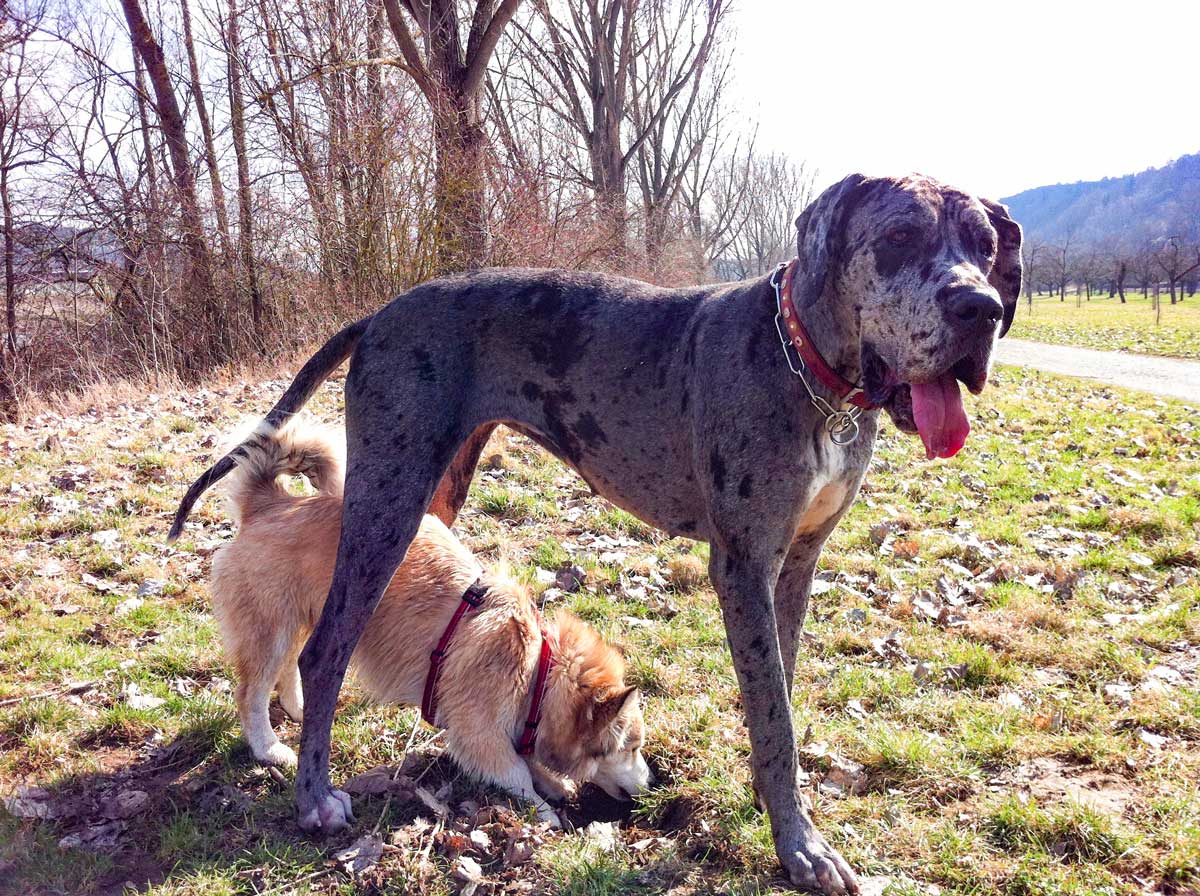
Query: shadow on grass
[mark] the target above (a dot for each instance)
(198, 815)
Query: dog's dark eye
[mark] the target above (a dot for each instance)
(900, 236)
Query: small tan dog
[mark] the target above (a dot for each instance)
(269, 586)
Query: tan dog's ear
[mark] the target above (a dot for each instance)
(1007, 272)
(819, 230)
(610, 705)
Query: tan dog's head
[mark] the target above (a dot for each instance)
(592, 728)
(927, 276)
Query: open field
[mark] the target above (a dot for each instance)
(1105, 323)
(1000, 694)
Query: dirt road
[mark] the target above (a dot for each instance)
(1168, 377)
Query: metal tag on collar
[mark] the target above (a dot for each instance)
(842, 427)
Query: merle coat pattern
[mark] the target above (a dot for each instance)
(676, 405)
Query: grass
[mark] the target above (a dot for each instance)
(1042, 735)
(1105, 323)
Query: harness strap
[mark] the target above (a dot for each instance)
(471, 600)
(529, 735)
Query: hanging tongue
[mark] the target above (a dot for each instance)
(939, 415)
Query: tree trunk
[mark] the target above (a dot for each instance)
(237, 124)
(460, 196)
(198, 279)
(1121, 281)
(210, 147)
(10, 275)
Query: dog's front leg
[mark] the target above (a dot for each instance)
(792, 592)
(508, 771)
(745, 591)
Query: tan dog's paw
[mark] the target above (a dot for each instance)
(278, 754)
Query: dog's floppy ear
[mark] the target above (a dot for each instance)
(1007, 272)
(818, 232)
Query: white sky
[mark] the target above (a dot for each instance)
(992, 97)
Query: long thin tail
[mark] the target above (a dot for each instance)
(315, 371)
(296, 448)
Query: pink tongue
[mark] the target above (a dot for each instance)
(940, 418)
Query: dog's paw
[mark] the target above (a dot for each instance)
(818, 868)
(278, 754)
(330, 814)
(548, 816)
(293, 703)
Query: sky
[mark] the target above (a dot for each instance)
(993, 98)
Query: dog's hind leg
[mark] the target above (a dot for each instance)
(254, 698)
(390, 478)
(452, 491)
(291, 695)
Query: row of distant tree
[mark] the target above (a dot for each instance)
(1161, 267)
(191, 181)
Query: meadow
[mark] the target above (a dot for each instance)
(999, 691)
(1105, 323)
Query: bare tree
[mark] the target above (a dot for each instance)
(451, 75)
(25, 135)
(198, 279)
(237, 125)
(692, 119)
(1060, 264)
(1031, 250)
(1176, 257)
(777, 189)
(585, 52)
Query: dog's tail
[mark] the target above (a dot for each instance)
(295, 449)
(315, 371)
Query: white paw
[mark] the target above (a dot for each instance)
(548, 816)
(293, 707)
(277, 754)
(330, 814)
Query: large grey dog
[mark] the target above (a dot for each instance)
(681, 406)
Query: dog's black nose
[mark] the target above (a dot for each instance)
(973, 306)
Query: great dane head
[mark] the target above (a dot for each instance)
(926, 275)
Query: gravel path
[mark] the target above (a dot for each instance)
(1168, 377)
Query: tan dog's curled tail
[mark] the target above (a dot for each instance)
(299, 448)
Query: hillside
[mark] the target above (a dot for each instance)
(1150, 204)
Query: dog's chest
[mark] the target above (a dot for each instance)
(828, 499)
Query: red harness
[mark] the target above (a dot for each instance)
(471, 600)
(802, 342)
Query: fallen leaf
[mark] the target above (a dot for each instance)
(439, 807)
(126, 804)
(362, 855)
(32, 802)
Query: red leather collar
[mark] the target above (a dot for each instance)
(471, 600)
(828, 377)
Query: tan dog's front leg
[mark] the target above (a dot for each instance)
(552, 785)
(502, 767)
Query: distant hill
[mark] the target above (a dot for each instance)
(1154, 203)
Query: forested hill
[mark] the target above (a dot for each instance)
(1155, 203)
